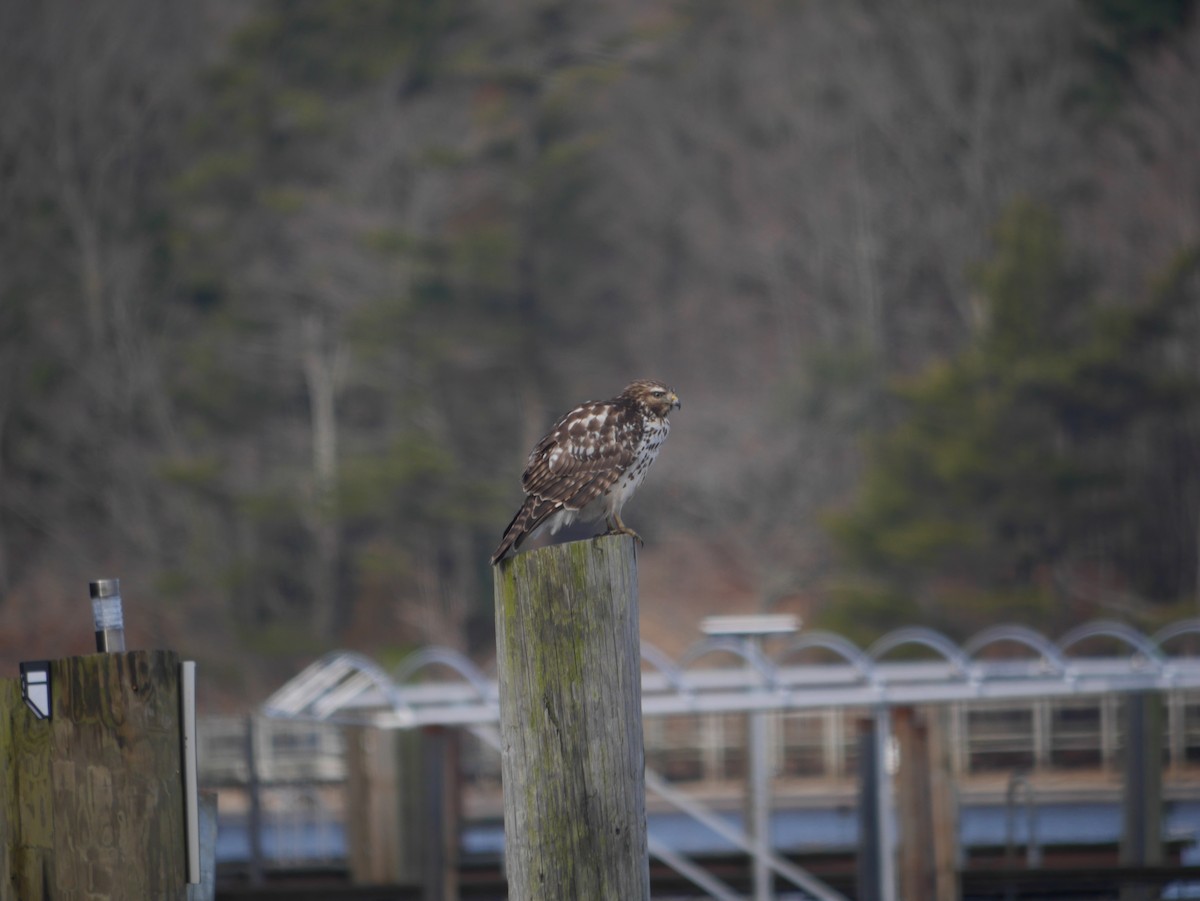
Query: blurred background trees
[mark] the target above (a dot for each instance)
(289, 288)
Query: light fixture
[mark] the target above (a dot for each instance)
(751, 624)
(35, 687)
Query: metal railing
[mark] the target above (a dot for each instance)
(1046, 707)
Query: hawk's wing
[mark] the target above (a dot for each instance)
(581, 458)
(583, 455)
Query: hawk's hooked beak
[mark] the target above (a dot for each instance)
(675, 401)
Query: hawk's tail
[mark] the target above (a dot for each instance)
(531, 515)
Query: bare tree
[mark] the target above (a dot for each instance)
(94, 97)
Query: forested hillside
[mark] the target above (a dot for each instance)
(289, 288)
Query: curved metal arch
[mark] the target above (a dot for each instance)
(843, 647)
(749, 653)
(1175, 630)
(418, 660)
(1106, 628)
(1021, 635)
(929, 638)
(342, 693)
(658, 659)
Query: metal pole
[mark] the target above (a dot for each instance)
(1033, 851)
(432, 748)
(760, 809)
(1141, 842)
(254, 810)
(698, 875)
(759, 783)
(738, 837)
(885, 807)
(867, 868)
(191, 791)
(751, 632)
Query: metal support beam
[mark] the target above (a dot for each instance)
(350, 689)
(760, 802)
(703, 815)
(698, 876)
(885, 808)
(1141, 843)
(867, 880)
(683, 865)
(254, 818)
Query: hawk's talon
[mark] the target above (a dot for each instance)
(616, 527)
(627, 531)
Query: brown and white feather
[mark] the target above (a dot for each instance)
(591, 461)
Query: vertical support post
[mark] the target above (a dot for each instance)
(751, 631)
(191, 788)
(943, 802)
(1141, 839)
(711, 738)
(373, 804)
(1108, 731)
(206, 889)
(442, 817)
(912, 805)
(1041, 733)
(759, 775)
(831, 742)
(867, 876)
(98, 786)
(1175, 729)
(926, 806)
(886, 809)
(254, 802)
(404, 808)
(572, 755)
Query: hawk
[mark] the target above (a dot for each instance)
(591, 462)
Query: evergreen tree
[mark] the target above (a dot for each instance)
(1050, 469)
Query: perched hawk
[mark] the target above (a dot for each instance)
(591, 462)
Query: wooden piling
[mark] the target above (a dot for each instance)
(943, 802)
(573, 761)
(91, 800)
(913, 814)
(404, 809)
(373, 821)
(926, 809)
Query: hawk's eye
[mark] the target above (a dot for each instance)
(658, 392)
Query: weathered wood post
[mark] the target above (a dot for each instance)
(404, 808)
(944, 802)
(913, 810)
(573, 761)
(925, 806)
(91, 799)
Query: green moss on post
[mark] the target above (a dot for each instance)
(571, 722)
(91, 800)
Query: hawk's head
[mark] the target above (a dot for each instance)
(654, 396)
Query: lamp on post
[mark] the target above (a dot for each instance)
(35, 687)
(107, 616)
(751, 631)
